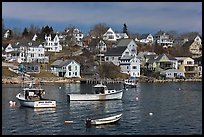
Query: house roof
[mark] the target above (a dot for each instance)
(94, 42)
(168, 56)
(61, 63)
(188, 43)
(172, 70)
(143, 36)
(57, 63)
(150, 56)
(159, 33)
(117, 51)
(124, 42)
(52, 35)
(199, 59)
(5, 45)
(155, 58)
(40, 36)
(126, 57)
(28, 43)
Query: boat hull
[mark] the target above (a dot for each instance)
(102, 121)
(95, 97)
(130, 85)
(45, 103)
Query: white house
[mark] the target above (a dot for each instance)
(10, 52)
(110, 35)
(7, 33)
(173, 73)
(52, 43)
(129, 43)
(32, 52)
(8, 48)
(130, 65)
(121, 36)
(145, 38)
(66, 68)
(124, 55)
(77, 34)
(163, 39)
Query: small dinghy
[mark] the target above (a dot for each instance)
(101, 121)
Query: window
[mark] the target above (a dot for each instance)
(75, 67)
(69, 73)
(134, 67)
(189, 62)
(70, 68)
(75, 73)
(110, 37)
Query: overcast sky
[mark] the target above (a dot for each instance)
(140, 17)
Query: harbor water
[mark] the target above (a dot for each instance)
(148, 109)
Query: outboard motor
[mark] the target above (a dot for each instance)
(68, 98)
(88, 122)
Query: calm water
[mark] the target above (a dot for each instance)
(174, 111)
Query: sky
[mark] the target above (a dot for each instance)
(140, 17)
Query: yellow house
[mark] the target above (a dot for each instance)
(187, 65)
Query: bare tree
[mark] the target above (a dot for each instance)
(173, 34)
(16, 32)
(98, 30)
(34, 29)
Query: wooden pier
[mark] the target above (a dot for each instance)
(98, 81)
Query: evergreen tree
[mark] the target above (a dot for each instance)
(25, 32)
(46, 30)
(125, 29)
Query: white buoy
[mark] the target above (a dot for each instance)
(12, 103)
(59, 87)
(150, 114)
(179, 88)
(136, 98)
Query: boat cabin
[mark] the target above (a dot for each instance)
(33, 93)
(100, 89)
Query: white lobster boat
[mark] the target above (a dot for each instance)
(33, 97)
(101, 93)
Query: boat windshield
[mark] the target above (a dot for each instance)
(99, 90)
(34, 92)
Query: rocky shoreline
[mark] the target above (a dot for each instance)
(46, 80)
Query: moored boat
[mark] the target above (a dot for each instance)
(101, 121)
(101, 93)
(33, 97)
(129, 83)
